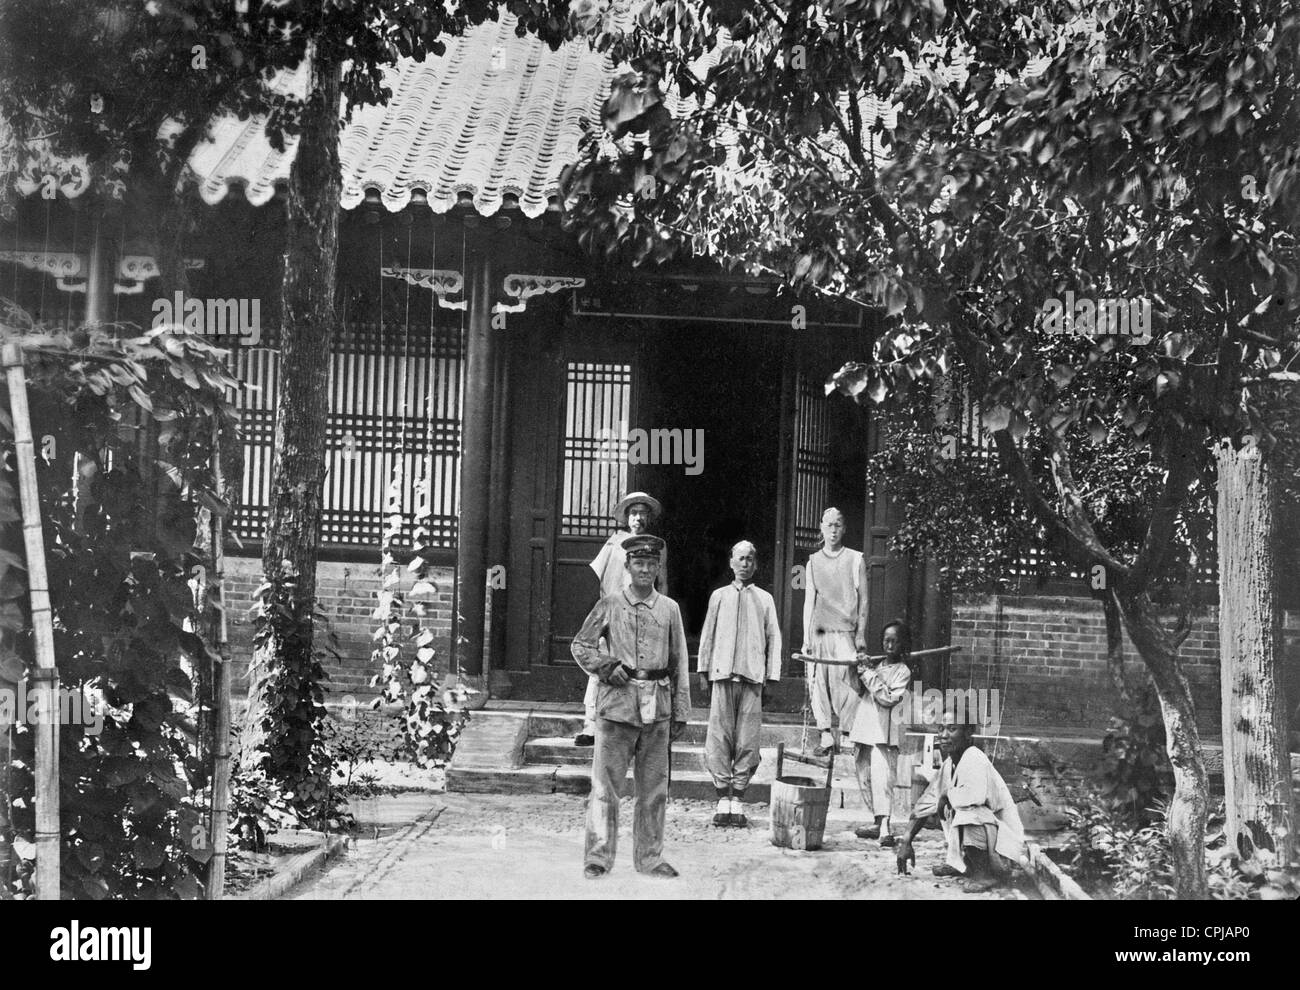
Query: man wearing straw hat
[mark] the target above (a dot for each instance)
(740, 650)
(642, 703)
(834, 627)
(635, 511)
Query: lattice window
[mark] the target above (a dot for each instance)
(598, 407)
(395, 400)
(812, 466)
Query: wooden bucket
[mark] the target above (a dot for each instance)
(799, 806)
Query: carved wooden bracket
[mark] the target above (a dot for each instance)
(522, 287)
(448, 286)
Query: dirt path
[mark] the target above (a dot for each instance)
(530, 846)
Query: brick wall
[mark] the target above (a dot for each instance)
(1047, 656)
(347, 595)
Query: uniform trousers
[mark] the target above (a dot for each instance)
(618, 745)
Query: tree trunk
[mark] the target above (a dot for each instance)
(1190, 804)
(292, 538)
(1256, 765)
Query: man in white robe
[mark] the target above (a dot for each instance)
(975, 809)
(834, 628)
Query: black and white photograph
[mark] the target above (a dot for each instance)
(572, 450)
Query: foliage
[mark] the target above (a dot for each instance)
(1111, 855)
(433, 715)
(969, 518)
(292, 749)
(1132, 861)
(258, 807)
(1135, 766)
(956, 169)
(351, 744)
(137, 415)
(1261, 877)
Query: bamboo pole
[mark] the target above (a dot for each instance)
(45, 673)
(221, 744)
(831, 662)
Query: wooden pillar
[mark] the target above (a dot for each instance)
(475, 472)
(498, 505)
(784, 556)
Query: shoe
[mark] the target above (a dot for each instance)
(867, 831)
(888, 842)
(738, 818)
(593, 872)
(663, 871)
(944, 870)
(582, 739)
(722, 817)
(980, 886)
(823, 751)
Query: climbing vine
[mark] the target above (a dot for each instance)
(433, 714)
(124, 427)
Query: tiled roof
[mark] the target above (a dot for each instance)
(495, 115)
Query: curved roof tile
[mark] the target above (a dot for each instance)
(495, 115)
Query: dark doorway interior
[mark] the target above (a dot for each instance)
(725, 381)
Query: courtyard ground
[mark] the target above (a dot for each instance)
(432, 845)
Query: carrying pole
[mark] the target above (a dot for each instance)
(45, 674)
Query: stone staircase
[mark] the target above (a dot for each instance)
(522, 749)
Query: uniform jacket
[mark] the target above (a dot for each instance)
(641, 634)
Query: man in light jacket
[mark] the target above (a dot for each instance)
(740, 650)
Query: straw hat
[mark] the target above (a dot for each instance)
(631, 499)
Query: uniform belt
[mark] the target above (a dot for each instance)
(646, 675)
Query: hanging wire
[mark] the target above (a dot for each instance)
(121, 252)
(45, 250)
(399, 466)
(460, 400)
(67, 319)
(431, 379)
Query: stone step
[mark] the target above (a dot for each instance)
(569, 772)
(549, 725)
(561, 751)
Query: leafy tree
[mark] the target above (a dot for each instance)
(132, 87)
(346, 44)
(963, 168)
(119, 557)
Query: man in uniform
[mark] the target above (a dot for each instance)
(642, 702)
(834, 627)
(975, 810)
(635, 511)
(740, 649)
(877, 733)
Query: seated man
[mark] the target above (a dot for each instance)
(974, 808)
